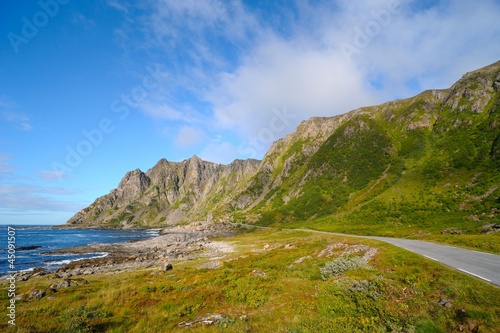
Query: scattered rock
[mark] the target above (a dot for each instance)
(445, 303)
(55, 287)
(330, 249)
(207, 320)
(461, 314)
(212, 264)
(490, 228)
(36, 294)
(256, 272)
(473, 218)
(28, 248)
(496, 84)
(298, 261)
(367, 252)
(423, 123)
(452, 231)
(167, 266)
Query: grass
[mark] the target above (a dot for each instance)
(263, 288)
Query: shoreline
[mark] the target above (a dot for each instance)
(175, 243)
(96, 227)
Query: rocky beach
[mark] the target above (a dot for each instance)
(184, 242)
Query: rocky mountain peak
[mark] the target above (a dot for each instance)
(132, 185)
(473, 91)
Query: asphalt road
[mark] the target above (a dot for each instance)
(482, 265)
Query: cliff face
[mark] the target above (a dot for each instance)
(330, 165)
(168, 193)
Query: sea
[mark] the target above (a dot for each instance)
(23, 247)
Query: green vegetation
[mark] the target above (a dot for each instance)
(414, 168)
(272, 283)
(340, 265)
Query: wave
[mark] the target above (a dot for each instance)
(31, 227)
(154, 232)
(57, 263)
(68, 261)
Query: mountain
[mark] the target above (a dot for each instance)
(168, 193)
(427, 162)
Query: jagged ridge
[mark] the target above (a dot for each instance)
(168, 193)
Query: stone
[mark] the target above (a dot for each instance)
(473, 218)
(298, 261)
(207, 320)
(167, 266)
(257, 272)
(445, 303)
(36, 294)
(452, 231)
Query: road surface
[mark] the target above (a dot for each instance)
(482, 265)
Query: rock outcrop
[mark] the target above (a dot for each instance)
(167, 194)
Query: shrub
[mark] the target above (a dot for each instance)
(84, 319)
(340, 265)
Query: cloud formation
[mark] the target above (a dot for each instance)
(234, 63)
(5, 167)
(30, 197)
(189, 136)
(9, 113)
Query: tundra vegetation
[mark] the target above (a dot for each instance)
(274, 281)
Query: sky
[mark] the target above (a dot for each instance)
(92, 89)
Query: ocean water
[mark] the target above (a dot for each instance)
(49, 239)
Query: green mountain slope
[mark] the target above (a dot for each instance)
(427, 162)
(430, 163)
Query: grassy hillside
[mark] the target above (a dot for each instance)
(275, 281)
(427, 166)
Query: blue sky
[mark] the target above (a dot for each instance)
(92, 89)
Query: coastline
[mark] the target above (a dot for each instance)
(175, 243)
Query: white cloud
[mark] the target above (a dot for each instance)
(171, 20)
(217, 151)
(189, 136)
(160, 110)
(8, 113)
(53, 175)
(5, 167)
(309, 82)
(432, 46)
(33, 197)
(243, 62)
